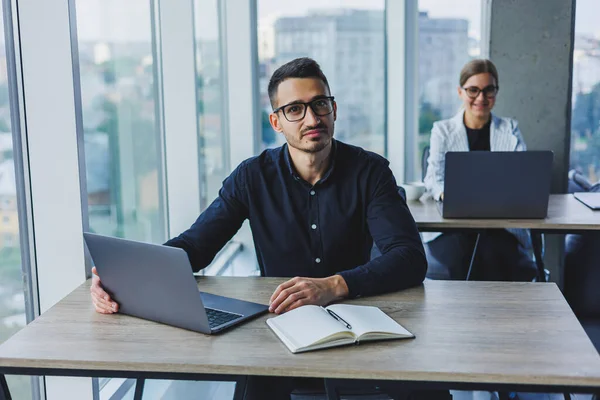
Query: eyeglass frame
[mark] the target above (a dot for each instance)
(306, 105)
(479, 91)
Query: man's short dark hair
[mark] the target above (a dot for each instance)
(299, 68)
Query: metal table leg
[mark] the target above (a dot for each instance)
(240, 387)
(139, 389)
(536, 241)
(4, 392)
(503, 396)
(473, 256)
(331, 389)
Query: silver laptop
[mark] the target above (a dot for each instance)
(156, 282)
(590, 199)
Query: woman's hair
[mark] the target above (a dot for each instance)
(477, 66)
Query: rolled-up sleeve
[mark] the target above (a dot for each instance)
(402, 263)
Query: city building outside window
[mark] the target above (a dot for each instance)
(449, 35)
(585, 114)
(347, 39)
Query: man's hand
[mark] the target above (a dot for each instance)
(301, 291)
(101, 299)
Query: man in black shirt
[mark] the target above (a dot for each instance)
(315, 206)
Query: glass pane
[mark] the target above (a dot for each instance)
(187, 390)
(120, 123)
(585, 117)
(12, 292)
(212, 138)
(449, 36)
(347, 40)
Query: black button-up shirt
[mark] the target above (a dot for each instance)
(316, 231)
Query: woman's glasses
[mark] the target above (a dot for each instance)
(488, 91)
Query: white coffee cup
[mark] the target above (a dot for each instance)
(414, 190)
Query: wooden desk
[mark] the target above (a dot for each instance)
(565, 214)
(469, 335)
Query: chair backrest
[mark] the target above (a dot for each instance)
(402, 192)
(582, 257)
(424, 158)
(582, 275)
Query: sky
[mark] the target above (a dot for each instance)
(587, 11)
(129, 20)
(468, 9)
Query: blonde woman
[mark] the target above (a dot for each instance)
(502, 254)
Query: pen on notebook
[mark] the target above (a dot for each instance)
(337, 317)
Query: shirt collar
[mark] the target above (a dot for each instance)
(330, 168)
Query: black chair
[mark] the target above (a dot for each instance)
(582, 275)
(582, 281)
(424, 158)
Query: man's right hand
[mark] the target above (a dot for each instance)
(101, 299)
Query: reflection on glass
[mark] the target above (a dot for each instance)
(212, 137)
(585, 115)
(449, 35)
(187, 390)
(119, 103)
(348, 43)
(12, 292)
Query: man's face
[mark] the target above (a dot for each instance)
(313, 132)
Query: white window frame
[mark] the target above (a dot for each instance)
(49, 106)
(486, 28)
(22, 176)
(242, 76)
(401, 84)
(179, 102)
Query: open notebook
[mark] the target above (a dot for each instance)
(312, 327)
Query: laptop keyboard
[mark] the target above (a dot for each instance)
(217, 317)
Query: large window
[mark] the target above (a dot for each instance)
(347, 40)
(213, 143)
(585, 115)
(122, 140)
(448, 37)
(13, 316)
(120, 119)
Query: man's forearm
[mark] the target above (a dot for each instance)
(399, 268)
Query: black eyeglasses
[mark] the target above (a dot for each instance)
(296, 111)
(489, 91)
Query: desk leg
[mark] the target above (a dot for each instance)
(331, 389)
(139, 389)
(4, 392)
(240, 387)
(503, 396)
(536, 242)
(473, 256)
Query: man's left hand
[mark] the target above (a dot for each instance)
(302, 291)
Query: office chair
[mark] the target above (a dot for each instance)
(582, 275)
(424, 158)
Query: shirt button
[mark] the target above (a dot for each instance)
(312, 192)
(313, 226)
(317, 260)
